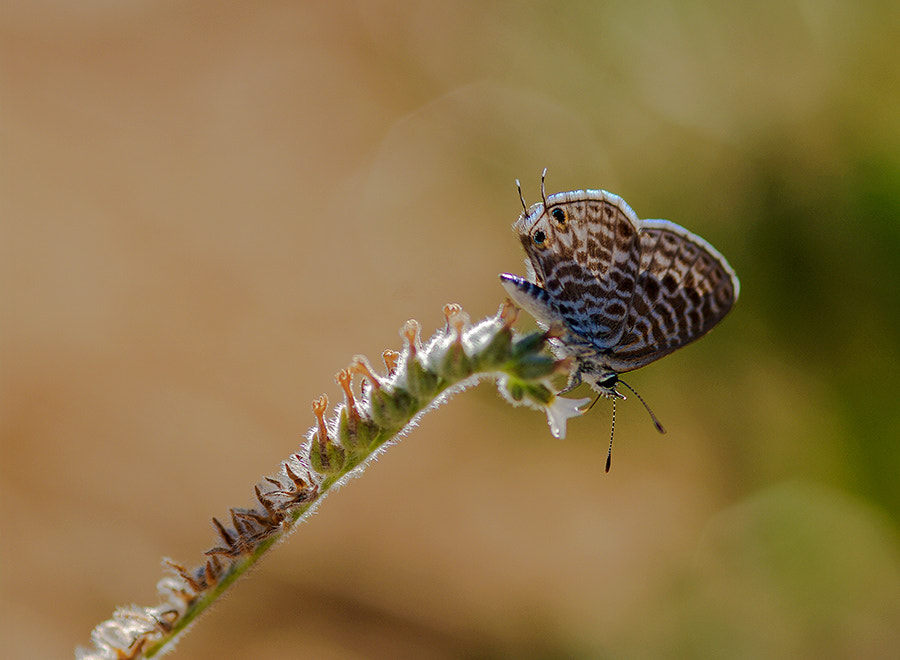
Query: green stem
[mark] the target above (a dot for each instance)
(418, 379)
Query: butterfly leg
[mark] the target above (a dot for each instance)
(573, 382)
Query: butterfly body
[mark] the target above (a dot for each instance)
(624, 292)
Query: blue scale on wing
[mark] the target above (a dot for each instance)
(593, 289)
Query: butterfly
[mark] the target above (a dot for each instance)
(623, 292)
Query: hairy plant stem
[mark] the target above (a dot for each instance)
(376, 411)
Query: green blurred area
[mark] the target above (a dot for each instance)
(207, 200)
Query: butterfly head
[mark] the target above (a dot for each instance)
(605, 385)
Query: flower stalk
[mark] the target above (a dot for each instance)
(385, 408)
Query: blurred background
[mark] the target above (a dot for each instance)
(209, 208)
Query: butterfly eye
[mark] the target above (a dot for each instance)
(609, 382)
(559, 215)
(539, 237)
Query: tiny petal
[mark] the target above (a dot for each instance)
(561, 409)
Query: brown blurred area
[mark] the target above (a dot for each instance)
(208, 209)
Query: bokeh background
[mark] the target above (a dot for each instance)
(209, 208)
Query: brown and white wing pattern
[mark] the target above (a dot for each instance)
(684, 288)
(585, 253)
(626, 291)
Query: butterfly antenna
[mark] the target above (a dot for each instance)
(543, 192)
(521, 196)
(612, 432)
(659, 427)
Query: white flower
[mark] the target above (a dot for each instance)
(559, 410)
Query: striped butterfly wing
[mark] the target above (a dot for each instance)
(587, 260)
(684, 287)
